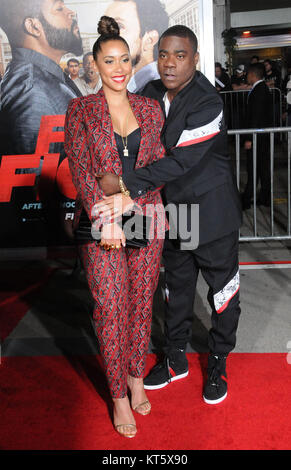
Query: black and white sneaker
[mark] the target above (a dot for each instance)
(215, 389)
(170, 369)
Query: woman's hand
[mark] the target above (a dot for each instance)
(113, 206)
(112, 237)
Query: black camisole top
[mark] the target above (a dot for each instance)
(133, 143)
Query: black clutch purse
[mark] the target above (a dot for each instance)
(135, 227)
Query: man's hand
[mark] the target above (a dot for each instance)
(109, 183)
(248, 145)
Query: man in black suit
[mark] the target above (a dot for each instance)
(196, 170)
(259, 115)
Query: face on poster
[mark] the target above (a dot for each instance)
(39, 41)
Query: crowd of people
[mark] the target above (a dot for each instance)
(87, 79)
(87, 82)
(258, 108)
(238, 81)
(272, 76)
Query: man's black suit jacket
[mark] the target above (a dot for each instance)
(259, 107)
(197, 168)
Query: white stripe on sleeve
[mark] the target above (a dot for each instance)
(199, 134)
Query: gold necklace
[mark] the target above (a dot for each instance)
(124, 138)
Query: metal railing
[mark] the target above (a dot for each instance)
(255, 132)
(235, 106)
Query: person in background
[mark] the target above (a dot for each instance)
(90, 82)
(254, 59)
(239, 79)
(286, 79)
(222, 80)
(272, 76)
(73, 66)
(259, 115)
(286, 90)
(273, 80)
(237, 107)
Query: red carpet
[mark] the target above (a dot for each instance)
(57, 403)
(18, 290)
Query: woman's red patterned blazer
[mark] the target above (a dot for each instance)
(90, 145)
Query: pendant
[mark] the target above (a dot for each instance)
(125, 152)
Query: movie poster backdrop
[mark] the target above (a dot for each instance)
(37, 197)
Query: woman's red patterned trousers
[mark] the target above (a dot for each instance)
(122, 283)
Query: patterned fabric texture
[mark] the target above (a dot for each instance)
(122, 282)
(90, 145)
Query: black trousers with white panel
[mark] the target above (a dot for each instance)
(219, 266)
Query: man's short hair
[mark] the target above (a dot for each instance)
(75, 61)
(257, 69)
(87, 55)
(181, 31)
(13, 14)
(268, 61)
(218, 64)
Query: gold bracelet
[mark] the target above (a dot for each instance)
(122, 187)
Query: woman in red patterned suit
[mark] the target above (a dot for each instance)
(115, 131)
